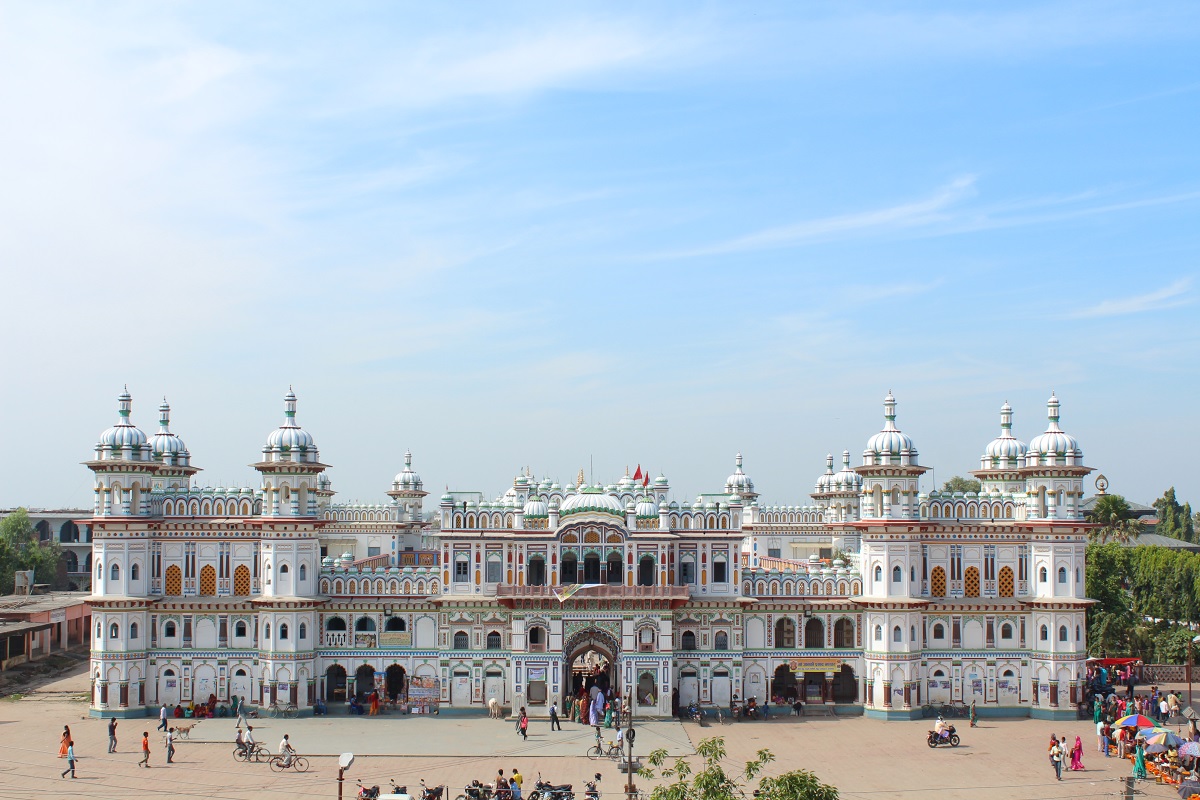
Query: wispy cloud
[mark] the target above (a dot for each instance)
(1173, 296)
(906, 215)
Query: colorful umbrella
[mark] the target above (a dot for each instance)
(1190, 749)
(1134, 721)
(1165, 738)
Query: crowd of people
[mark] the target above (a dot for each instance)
(1117, 733)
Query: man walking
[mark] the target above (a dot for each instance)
(240, 710)
(1056, 755)
(162, 718)
(112, 735)
(145, 762)
(70, 760)
(170, 745)
(554, 723)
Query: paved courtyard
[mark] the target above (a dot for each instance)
(866, 759)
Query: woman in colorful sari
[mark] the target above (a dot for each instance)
(1077, 755)
(583, 709)
(1139, 761)
(608, 714)
(1096, 710)
(65, 742)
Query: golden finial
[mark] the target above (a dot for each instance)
(579, 480)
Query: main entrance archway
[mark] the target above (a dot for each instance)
(591, 657)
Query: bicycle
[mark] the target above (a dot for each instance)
(287, 711)
(598, 750)
(258, 753)
(280, 763)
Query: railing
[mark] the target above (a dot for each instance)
(371, 562)
(507, 592)
(418, 558)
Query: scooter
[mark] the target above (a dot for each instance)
(592, 792)
(367, 792)
(951, 738)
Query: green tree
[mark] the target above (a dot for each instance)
(1110, 619)
(20, 549)
(1114, 520)
(1174, 519)
(960, 484)
(710, 781)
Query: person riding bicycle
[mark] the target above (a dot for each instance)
(240, 741)
(287, 751)
(248, 741)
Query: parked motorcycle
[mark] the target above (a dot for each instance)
(694, 713)
(476, 791)
(367, 792)
(951, 738)
(592, 792)
(400, 791)
(434, 793)
(544, 790)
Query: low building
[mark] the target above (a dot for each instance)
(34, 626)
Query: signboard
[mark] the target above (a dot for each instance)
(424, 693)
(395, 639)
(536, 674)
(58, 615)
(815, 664)
(364, 640)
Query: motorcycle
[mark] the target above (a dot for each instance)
(400, 790)
(693, 711)
(431, 794)
(544, 790)
(367, 792)
(592, 792)
(475, 791)
(951, 738)
(735, 711)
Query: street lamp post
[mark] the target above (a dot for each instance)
(345, 761)
(1194, 640)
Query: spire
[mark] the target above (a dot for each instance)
(829, 463)
(1005, 419)
(289, 409)
(845, 459)
(124, 405)
(737, 461)
(408, 459)
(164, 417)
(1052, 412)
(889, 412)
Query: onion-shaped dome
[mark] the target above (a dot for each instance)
(1054, 447)
(739, 481)
(661, 480)
(847, 480)
(591, 498)
(1005, 451)
(290, 442)
(646, 507)
(166, 446)
(626, 481)
(825, 483)
(891, 441)
(536, 507)
(406, 480)
(123, 440)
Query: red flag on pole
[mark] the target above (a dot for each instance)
(646, 479)
(637, 476)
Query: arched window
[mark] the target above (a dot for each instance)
(912, 633)
(395, 624)
(365, 625)
(537, 639)
(1042, 575)
(114, 573)
(303, 572)
(646, 571)
(1077, 636)
(814, 633)
(843, 633)
(267, 630)
(133, 630)
(939, 630)
(912, 574)
(462, 641)
(283, 570)
(785, 633)
(1006, 631)
(536, 572)
(688, 640)
(878, 572)
(879, 633)
(570, 569)
(283, 631)
(897, 574)
(494, 641)
(99, 629)
(335, 624)
(99, 571)
(114, 631)
(134, 571)
(1044, 634)
(721, 641)
(897, 634)
(1062, 574)
(1062, 633)
(239, 628)
(169, 630)
(303, 630)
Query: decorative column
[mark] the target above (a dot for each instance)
(887, 694)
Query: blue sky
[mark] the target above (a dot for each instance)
(561, 234)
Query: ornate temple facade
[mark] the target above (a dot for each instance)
(873, 595)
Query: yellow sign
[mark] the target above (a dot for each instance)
(815, 664)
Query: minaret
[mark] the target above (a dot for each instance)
(1000, 464)
(407, 491)
(123, 466)
(175, 468)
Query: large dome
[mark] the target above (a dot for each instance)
(290, 442)
(890, 441)
(407, 480)
(123, 440)
(1005, 451)
(1055, 446)
(166, 446)
(591, 498)
(739, 481)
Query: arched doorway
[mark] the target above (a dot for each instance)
(591, 659)
(396, 681)
(845, 685)
(239, 684)
(335, 683)
(364, 681)
(784, 683)
(689, 687)
(168, 687)
(722, 687)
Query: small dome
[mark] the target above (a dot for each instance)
(290, 442)
(825, 483)
(739, 481)
(646, 507)
(592, 499)
(406, 480)
(1055, 446)
(890, 441)
(1005, 451)
(536, 507)
(166, 446)
(847, 480)
(124, 436)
